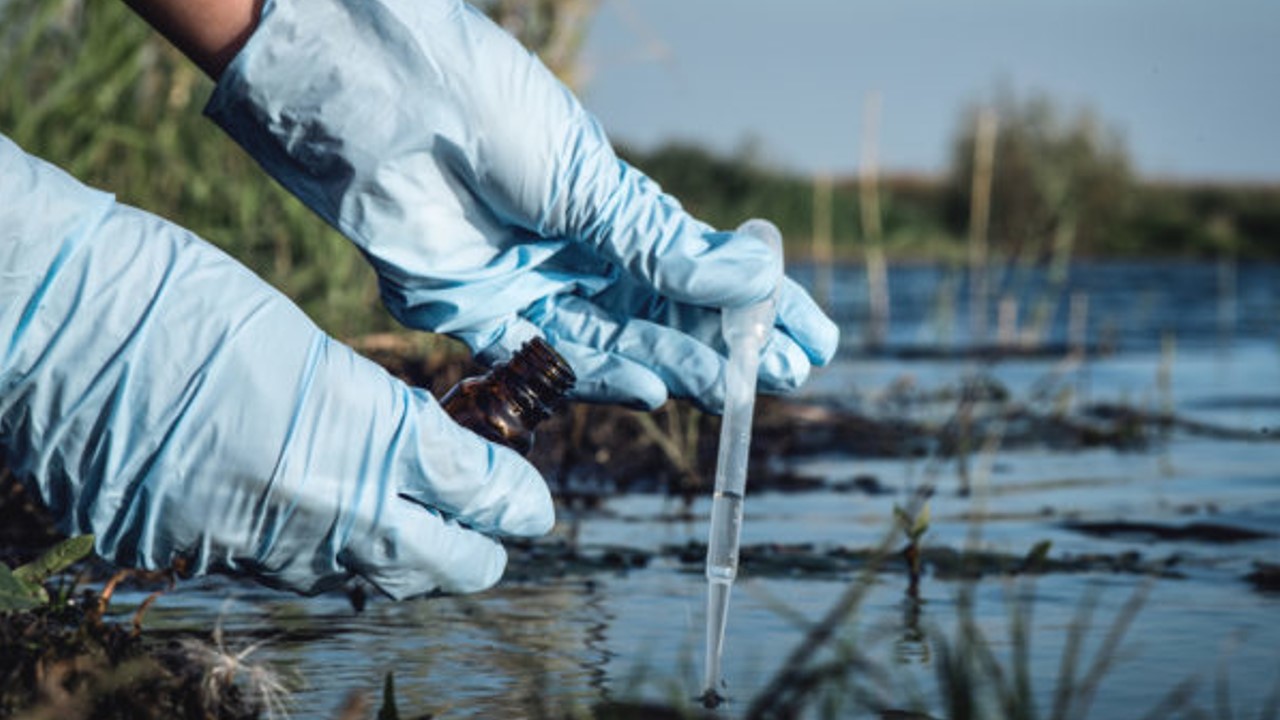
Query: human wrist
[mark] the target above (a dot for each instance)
(210, 32)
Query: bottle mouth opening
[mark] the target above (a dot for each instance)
(554, 366)
(543, 379)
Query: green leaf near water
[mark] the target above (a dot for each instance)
(1036, 557)
(388, 710)
(901, 516)
(921, 524)
(17, 595)
(915, 525)
(58, 558)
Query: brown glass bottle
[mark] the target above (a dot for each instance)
(507, 403)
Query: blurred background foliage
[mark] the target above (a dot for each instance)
(90, 87)
(554, 29)
(1053, 173)
(87, 85)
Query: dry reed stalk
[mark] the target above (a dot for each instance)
(869, 196)
(984, 151)
(822, 240)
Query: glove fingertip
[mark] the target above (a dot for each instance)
(486, 571)
(413, 551)
(807, 324)
(518, 501)
(484, 566)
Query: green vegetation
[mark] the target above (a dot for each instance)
(1053, 178)
(913, 523)
(63, 658)
(1203, 219)
(22, 588)
(91, 88)
(724, 191)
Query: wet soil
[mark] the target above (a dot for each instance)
(1215, 533)
(1265, 577)
(533, 560)
(66, 661)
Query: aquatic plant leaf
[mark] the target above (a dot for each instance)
(914, 525)
(17, 595)
(388, 710)
(58, 558)
(901, 516)
(1036, 556)
(921, 524)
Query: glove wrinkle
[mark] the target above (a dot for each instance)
(275, 506)
(159, 395)
(479, 187)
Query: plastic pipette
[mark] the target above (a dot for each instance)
(746, 330)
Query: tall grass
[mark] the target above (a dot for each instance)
(90, 87)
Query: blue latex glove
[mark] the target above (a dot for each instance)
(491, 204)
(162, 397)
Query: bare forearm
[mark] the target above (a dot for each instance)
(210, 32)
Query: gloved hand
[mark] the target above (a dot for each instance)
(164, 398)
(492, 205)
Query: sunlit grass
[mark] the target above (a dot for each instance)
(91, 88)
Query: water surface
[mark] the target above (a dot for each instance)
(1202, 341)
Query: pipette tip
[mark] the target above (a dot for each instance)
(711, 699)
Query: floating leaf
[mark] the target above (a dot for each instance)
(58, 558)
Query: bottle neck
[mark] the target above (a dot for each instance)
(537, 379)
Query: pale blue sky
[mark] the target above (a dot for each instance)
(1192, 84)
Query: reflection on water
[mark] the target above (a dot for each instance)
(572, 641)
(912, 647)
